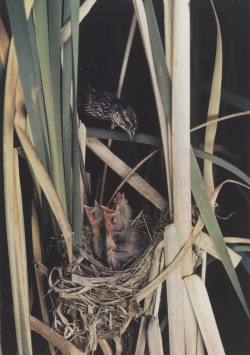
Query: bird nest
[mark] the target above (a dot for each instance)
(93, 301)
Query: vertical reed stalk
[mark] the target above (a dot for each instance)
(181, 165)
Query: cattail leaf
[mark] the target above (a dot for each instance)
(27, 70)
(214, 105)
(20, 261)
(45, 183)
(51, 91)
(76, 195)
(65, 346)
(4, 44)
(211, 223)
(144, 29)
(204, 314)
(227, 97)
(223, 163)
(66, 55)
(216, 120)
(8, 170)
(37, 253)
(159, 58)
(84, 10)
(123, 170)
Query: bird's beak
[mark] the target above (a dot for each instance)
(108, 211)
(131, 135)
(88, 209)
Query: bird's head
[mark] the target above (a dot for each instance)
(113, 220)
(125, 118)
(95, 215)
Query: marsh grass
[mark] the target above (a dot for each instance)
(94, 305)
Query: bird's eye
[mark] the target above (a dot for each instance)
(128, 123)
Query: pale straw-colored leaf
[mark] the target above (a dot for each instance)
(8, 170)
(53, 337)
(132, 172)
(158, 294)
(118, 345)
(84, 10)
(21, 260)
(216, 120)
(151, 286)
(45, 183)
(142, 338)
(168, 27)
(181, 169)
(140, 295)
(206, 243)
(37, 254)
(154, 337)
(105, 347)
(181, 125)
(236, 240)
(213, 109)
(28, 4)
(4, 44)
(151, 302)
(122, 170)
(119, 90)
(174, 293)
(193, 338)
(148, 307)
(126, 55)
(204, 314)
(143, 25)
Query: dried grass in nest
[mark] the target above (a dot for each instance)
(95, 302)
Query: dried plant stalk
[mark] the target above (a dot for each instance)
(174, 294)
(123, 170)
(204, 314)
(53, 337)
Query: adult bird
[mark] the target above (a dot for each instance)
(94, 102)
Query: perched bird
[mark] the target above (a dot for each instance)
(123, 242)
(96, 219)
(96, 103)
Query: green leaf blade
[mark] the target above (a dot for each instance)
(210, 221)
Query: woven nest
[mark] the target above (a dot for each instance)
(95, 302)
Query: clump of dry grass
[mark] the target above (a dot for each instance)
(93, 301)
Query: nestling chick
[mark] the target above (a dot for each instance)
(96, 219)
(131, 244)
(99, 104)
(111, 223)
(123, 242)
(125, 209)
